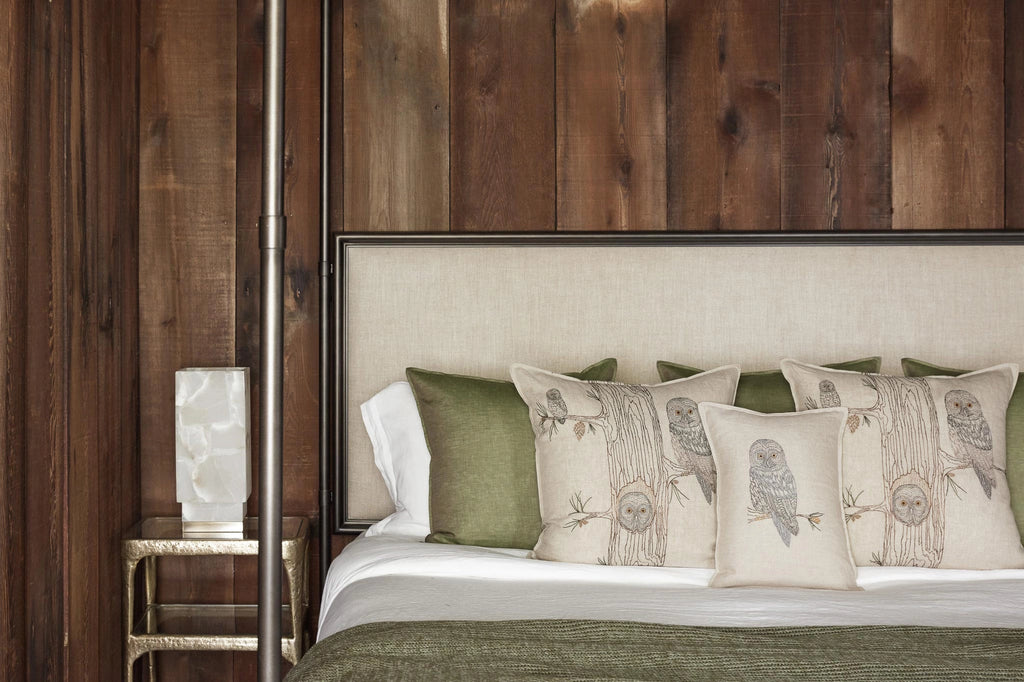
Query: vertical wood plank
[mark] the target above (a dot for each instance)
(336, 153)
(610, 114)
(101, 250)
(947, 114)
(835, 115)
(15, 55)
(396, 115)
(45, 382)
(723, 115)
(502, 115)
(1013, 88)
(187, 258)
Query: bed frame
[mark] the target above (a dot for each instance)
(996, 267)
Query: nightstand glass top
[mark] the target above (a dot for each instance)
(169, 528)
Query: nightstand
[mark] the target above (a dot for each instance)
(207, 627)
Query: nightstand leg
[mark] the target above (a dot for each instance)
(129, 606)
(292, 570)
(150, 616)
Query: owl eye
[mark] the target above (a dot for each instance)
(917, 502)
(956, 404)
(643, 510)
(689, 411)
(970, 404)
(760, 455)
(679, 412)
(903, 503)
(629, 510)
(774, 455)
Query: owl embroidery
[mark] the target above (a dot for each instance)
(828, 394)
(690, 444)
(971, 437)
(635, 512)
(772, 487)
(910, 504)
(556, 405)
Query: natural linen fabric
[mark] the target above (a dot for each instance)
(1014, 432)
(923, 465)
(468, 651)
(483, 480)
(767, 390)
(623, 470)
(780, 521)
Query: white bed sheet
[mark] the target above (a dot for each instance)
(401, 578)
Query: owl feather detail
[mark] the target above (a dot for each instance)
(971, 436)
(773, 487)
(556, 405)
(690, 444)
(828, 394)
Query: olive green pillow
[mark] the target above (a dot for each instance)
(766, 391)
(483, 469)
(1014, 432)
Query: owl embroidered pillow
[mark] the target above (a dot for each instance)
(625, 474)
(780, 520)
(924, 465)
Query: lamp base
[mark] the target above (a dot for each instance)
(212, 520)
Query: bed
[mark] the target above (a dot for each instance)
(395, 607)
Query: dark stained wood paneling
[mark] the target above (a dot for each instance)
(45, 453)
(947, 114)
(1013, 87)
(396, 115)
(723, 115)
(835, 115)
(502, 115)
(101, 251)
(610, 114)
(187, 259)
(15, 113)
(68, 305)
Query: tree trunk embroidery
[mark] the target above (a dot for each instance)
(637, 472)
(912, 461)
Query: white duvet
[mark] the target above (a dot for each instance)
(401, 578)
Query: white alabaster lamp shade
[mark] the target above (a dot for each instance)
(212, 447)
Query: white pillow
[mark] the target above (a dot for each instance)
(400, 452)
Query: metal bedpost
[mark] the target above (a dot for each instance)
(325, 281)
(272, 246)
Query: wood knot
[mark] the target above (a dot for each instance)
(620, 24)
(731, 123)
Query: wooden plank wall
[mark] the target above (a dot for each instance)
(68, 319)
(486, 115)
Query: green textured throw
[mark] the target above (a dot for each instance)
(609, 650)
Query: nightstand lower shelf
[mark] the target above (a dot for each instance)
(207, 627)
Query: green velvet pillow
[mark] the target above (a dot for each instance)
(1014, 432)
(483, 469)
(766, 391)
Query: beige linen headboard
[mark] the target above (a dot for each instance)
(474, 304)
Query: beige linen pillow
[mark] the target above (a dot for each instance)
(924, 463)
(624, 472)
(780, 518)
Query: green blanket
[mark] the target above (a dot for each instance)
(609, 650)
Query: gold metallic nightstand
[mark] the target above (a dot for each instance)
(207, 627)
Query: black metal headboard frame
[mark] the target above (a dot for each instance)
(334, 518)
